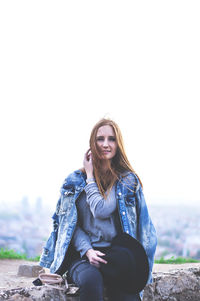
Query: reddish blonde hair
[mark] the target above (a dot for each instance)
(118, 165)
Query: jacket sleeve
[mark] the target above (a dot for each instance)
(67, 189)
(47, 255)
(146, 231)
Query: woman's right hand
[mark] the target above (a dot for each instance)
(93, 257)
(87, 163)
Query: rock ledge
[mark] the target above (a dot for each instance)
(176, 285)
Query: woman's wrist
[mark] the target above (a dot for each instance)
(89, 174)
(90, 180)
(88, 251)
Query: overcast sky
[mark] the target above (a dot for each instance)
(66, 64)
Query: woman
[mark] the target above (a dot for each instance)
(98, 202)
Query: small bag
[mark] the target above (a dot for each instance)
(52, 280)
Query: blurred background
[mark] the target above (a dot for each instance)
(63, 66)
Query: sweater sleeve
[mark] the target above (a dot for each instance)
(81, 241)
(99, 207)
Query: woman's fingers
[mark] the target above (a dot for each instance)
(97, 265)
(96, 262)
(87, 163)
(93, 261)
(88, 154)
(99, 259)
(94, 257)
(100, 253)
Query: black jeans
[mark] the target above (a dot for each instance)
(90, 281)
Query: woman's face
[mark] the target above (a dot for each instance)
(106, 142)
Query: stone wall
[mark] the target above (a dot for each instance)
(177, 285)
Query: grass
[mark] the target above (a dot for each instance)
(178, 260)
(11, 254)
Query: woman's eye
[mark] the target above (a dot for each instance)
(112, 139)
(99, 138)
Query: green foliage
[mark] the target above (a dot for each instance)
(178, 260)
(11, 254)
(36, 258)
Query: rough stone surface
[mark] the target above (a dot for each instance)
(177, 285)
(40, 294)
(27, 270)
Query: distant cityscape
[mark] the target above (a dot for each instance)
(178, 229)
(25, 228)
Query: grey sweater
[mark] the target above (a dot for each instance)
(96, 219)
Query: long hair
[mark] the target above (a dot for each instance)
(116, 166)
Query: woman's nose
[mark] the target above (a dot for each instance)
(105, 143)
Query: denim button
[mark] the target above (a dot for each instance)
(123, 213)
(127, 232)
(119, 193)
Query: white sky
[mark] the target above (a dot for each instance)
(66, 64)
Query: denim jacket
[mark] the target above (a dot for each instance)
(133, 215)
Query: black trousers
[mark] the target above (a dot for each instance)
(90, 281)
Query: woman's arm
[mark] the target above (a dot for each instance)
(81, 241)
(100, 207)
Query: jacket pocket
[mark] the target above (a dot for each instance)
(47, 256)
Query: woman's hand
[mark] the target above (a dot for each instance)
(93, 257)
(87, 163)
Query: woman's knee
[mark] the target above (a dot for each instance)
(91, 278)
(90, 282)
(87, 275)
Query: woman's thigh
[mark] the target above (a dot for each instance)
(86, 276)
(82, 270)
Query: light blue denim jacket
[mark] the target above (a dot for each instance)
(132, 209)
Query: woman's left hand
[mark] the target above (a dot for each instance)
(94, 257)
